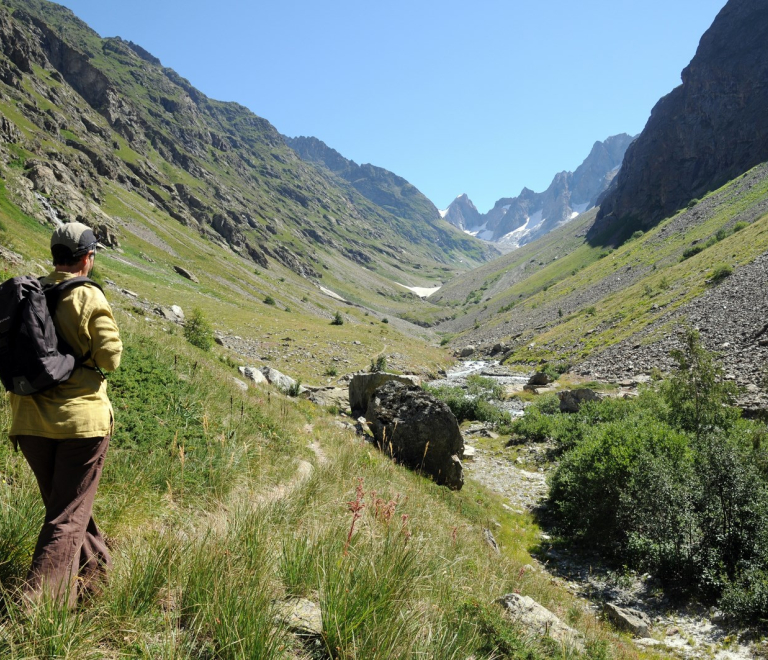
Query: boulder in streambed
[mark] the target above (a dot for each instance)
(416, 429)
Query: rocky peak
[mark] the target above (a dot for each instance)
(707, 131)
(462, 213)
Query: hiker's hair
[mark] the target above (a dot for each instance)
(62, 256)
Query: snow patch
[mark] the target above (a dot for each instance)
(421, 291)
(443, 213)
(330, 293)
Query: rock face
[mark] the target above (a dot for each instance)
(331, 396)
(515, 221)
(704, 133)
(417, 430)
(529, 614)
(362, 386)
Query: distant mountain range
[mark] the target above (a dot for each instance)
(515, 221)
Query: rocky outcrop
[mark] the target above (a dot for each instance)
(462, 213)
(417, 430)
(362, 387)
(704, 133)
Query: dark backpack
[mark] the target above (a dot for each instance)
(33, 357)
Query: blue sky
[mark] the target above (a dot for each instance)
(480, 98)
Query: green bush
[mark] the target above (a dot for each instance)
(377, 365)
(466, 407)
(673, 483)
(720, 272)
(338, 319)
(197, 330)
(691, 252)
(269, 300)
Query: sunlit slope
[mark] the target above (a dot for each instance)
(564, 300)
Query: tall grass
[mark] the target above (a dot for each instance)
(211, 529)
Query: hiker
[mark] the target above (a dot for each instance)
(64, 431)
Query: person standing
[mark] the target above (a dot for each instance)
(64, 431)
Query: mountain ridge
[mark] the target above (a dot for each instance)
(515, 221)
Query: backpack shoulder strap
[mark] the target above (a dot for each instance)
(54, 292)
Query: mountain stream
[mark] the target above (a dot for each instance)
(520, 477)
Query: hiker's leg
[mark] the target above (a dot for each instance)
(77, 468)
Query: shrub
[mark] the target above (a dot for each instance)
(739, 226)
(295, 389)
(720, 272)
(385, 320)
(673, 483)
(338, 319)
(331, 371)
(590, 311)
(269, 300)
(377, 365)
(691, 252)
(638, 234)
(465, 407)
(197, 330)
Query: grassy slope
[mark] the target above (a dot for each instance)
(605, 296)
(260, 177)
(214, 515)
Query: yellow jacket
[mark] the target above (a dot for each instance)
(79, 407)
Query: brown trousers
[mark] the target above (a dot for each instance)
(71, 553)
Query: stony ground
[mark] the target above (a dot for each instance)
(732, 318)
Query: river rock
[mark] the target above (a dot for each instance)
(526, 612)
(627, 619)
(540, 379)
(252, 374)
(571, 400)
(362, 386)
(418, 430)
(467, 351)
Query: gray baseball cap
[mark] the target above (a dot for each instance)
(76, 236)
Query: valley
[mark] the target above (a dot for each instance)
(253, 520)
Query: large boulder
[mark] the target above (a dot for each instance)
(417, 430)
(331, 396)
(540, 379)
(362, 386)
(253, 374)
(571, 400)
(279, 380)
